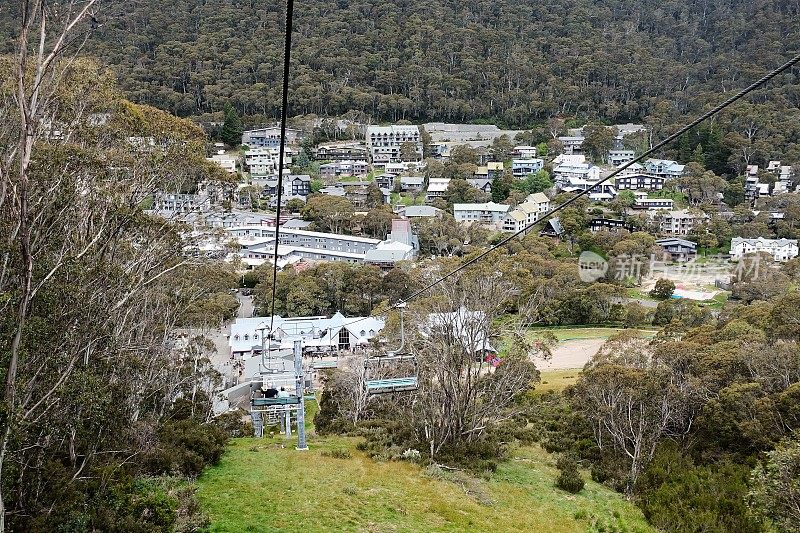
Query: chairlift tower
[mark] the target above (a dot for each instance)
(279, 409)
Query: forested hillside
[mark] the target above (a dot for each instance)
(516, 61)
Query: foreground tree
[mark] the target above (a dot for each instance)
(775, 487)
(91, 288)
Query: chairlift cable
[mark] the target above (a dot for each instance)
(281, 150)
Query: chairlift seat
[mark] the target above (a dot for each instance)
(268, 402)
(381, 386)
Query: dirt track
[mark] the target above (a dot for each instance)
(570, 354)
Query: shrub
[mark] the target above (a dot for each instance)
(186, 447)
(570, 479)
(337, 453)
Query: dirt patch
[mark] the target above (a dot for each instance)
(570, 354)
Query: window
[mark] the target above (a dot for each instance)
(236, 337)
(255, 336)
(246, 337)
(363, 333)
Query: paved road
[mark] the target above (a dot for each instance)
(221, 359)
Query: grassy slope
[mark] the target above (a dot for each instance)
(570, 333)
(261, 486)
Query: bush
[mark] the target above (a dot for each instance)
(570, 479)
(663, 289)
(714, 492)
(186, 447)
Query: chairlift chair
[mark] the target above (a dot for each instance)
(321, 365)
(375, 385)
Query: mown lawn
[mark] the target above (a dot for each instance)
(556, 380)
(564, 334)
(265, 485)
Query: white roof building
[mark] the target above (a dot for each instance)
(486, 213)
(437, 187)
(338, 332)
(781, 250)
(569, 158)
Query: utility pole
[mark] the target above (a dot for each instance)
(301, 411)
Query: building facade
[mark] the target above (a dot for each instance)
(385, 142)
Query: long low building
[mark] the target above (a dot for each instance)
(338, 332)
(257, 245)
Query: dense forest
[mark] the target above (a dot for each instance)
(517, 62)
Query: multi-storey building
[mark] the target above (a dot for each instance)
(781, 250)
(678, 222)
(486, 213)
(526, 213)
(341, 151)
(385, 142)
(664, 168)
(636, 181)
(620, 157)
(264, 161)
(522, 167)
(344, 168)
(269, 137)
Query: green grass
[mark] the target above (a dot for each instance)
(717, 302)
(638, 294)
(556, 380)
(571, 333)
(259, 485)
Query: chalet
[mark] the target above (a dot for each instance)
(520, 168)
(494, 169)
(411, 183)
(680, 250)
(437, 188)
(644, 202)
(385, 181)
(482, 184)
(524, 152)
(228, 162)
(664, 168)
(566, 171)
(418, 211)
(552, 228)
(572, 144)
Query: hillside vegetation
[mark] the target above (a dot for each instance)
(514, 61)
